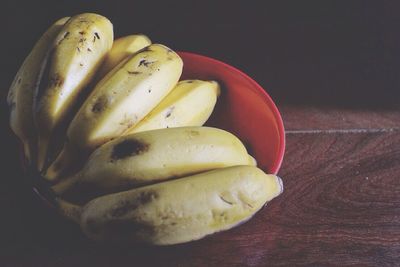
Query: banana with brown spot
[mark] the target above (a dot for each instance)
(190, 103)
(21, 93)
(118, 102)
(152, 156)
(181, 210)
(75, 56)
(122, 48)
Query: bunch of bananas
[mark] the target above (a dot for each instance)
(119, 137)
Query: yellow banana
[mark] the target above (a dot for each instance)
(122, 48)
(118, 102)
(75, 56)
(252, 161)
(181, 210)
(152, 156)
(190, 103)
(21, 93)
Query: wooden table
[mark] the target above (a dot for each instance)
(340, 207)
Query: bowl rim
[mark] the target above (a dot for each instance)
(264, 95)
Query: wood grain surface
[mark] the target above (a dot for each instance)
(340, 207)
(311, 118)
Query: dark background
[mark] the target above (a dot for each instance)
(322, 53)
(301, 51)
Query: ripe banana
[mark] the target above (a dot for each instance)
(152, 156)
(21, 93)
(118, 102)
(252, 161)
(75, 56)
(190, 103)
(122, 48)
(155, 175)
(181, 210)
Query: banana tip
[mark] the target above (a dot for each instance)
(280, 182)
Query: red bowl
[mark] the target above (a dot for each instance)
(243, 108)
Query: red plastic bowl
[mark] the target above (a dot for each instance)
(244, 109)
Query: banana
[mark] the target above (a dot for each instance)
(75, 56)
(152, 156)
(252, 161)
(21, 93)
(118, 102)
(181, 210)
(122, 48)
(190, 103)
(68, 210)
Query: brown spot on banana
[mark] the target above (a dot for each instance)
(56, 81)
(100, 104)
(134, 72)
(225, 200)
(128, 148)
(169, 112)
(125, 206)
(145, 63)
